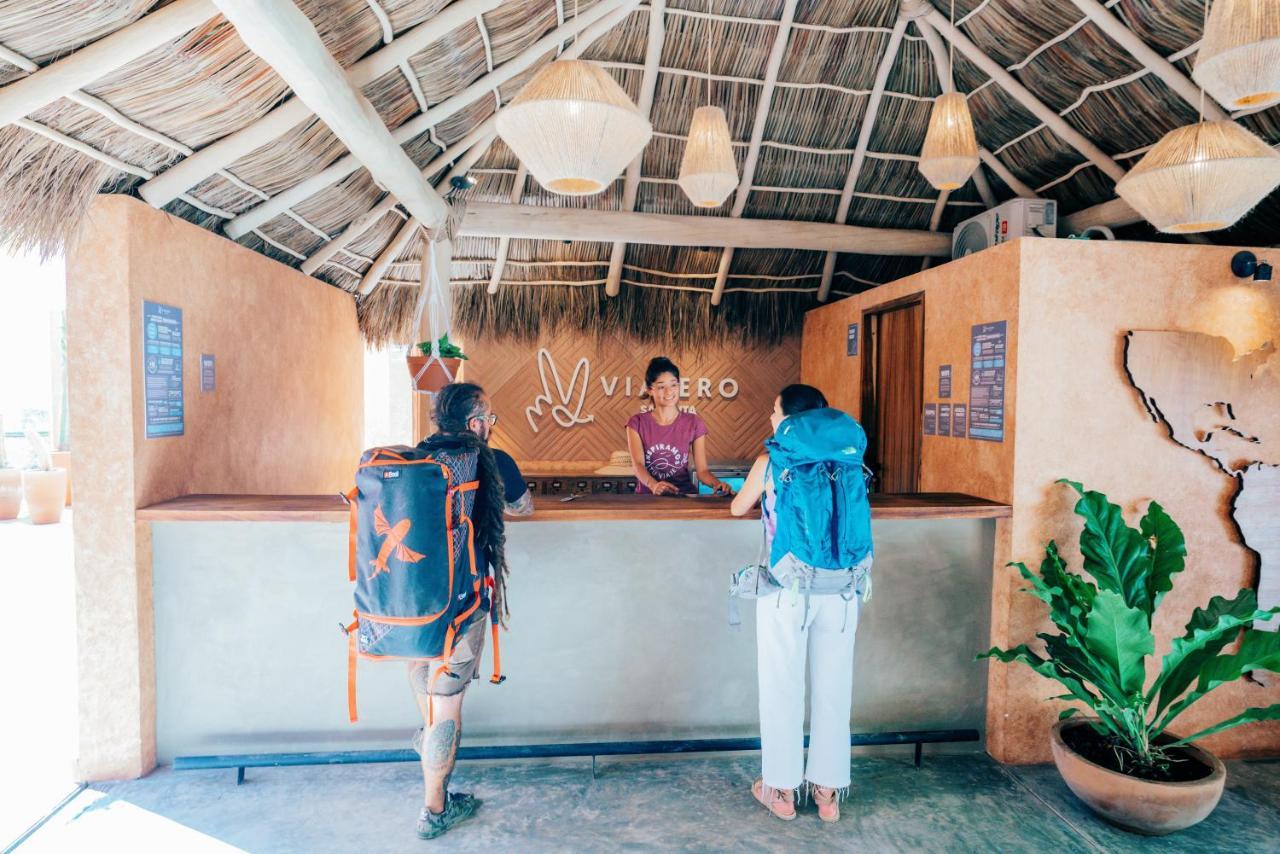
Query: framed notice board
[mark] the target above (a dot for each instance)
(162, 369)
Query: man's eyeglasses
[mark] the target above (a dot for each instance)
(492, 418)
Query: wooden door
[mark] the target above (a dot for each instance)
(892, 393)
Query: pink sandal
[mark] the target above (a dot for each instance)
(780, 802)
(828, 803)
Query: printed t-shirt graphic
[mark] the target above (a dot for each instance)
(667, 448)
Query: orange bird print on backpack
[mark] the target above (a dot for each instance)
(394, 542)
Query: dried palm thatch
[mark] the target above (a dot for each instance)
(144, 117)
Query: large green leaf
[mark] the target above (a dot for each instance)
(1259, 713)
(1077, 594)
(1209, 631)
(1258, 650)
(1117, 556)
(1119, 636)
(1075, 688)
(1168, 552)
(1068, 652)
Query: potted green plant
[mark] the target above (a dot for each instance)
(1122, 761)
(430, 375)
(10, 484)
(44, 487)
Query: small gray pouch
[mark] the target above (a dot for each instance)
(751, 582)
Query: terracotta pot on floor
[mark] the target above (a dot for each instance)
(62, 460)
(1143, 806)
(46, 494)
(10, 493)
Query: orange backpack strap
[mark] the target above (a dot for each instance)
(351, 533)
(351, 630)
(497, 678)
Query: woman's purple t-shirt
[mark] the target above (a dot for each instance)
(668, 448)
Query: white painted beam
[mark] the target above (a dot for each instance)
(95, 61)
(776, 53)
(542, 223)
(1023, 96)
(631, 185)
(1152, 61)
(278, 32)
(345, 166)
(185, 174)
(1011, 180)
(983, 188)
(504, 244)
(860, 148)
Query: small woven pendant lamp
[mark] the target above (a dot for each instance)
(708, 172)
(1239, 58)
(574, 128)
(950, 152)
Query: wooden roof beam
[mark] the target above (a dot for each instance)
(1152, 61)
(860, 149)
(476, 91)
(504, 243)
(95, 61)
(183, 175)
(631, 185)
(278, 32)
(774, 64)
(1011, 180)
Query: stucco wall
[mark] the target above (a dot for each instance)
(286, 417)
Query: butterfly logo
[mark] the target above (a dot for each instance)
(564, 396)
(394, 543)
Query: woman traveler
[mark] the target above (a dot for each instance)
(664, 441)
(807, 605)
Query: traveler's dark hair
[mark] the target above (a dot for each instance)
(799, 397)
(456, 405)
(658, 366)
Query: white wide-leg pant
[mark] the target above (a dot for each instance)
(784, 640)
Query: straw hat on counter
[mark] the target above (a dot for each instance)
(619, 464)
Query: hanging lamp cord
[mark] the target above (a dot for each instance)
(708, 52)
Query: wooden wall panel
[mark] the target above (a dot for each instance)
(512, 373)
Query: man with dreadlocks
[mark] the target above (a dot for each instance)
(464, 420)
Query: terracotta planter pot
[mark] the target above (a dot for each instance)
(434, 377)
(10, 493)
(46, 495)
(1143, 806)
(62, 460)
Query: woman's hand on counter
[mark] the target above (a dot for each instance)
(664, 487)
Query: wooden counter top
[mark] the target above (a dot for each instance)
(614, 508)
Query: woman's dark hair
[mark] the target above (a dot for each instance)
(457, 404)
(801, 398)
(658, 366)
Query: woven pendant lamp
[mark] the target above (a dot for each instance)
(1201, 177)
(950, 153)
(708, 172)
(1239, 58)
(574, 128)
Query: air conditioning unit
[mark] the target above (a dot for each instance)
(1015, 218)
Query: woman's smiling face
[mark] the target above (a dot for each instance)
(665, 390)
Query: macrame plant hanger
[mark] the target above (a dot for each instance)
(434, 295)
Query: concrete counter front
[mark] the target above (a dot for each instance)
(618, 625)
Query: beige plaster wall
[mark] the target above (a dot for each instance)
(981, 288)
(286, 417)
(1079, 417)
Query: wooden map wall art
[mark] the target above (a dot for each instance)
(1228, 409)
(568, 398)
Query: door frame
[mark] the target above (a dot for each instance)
(870, 362)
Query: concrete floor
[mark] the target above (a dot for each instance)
(953, 803)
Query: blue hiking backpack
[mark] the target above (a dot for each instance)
(824, 516)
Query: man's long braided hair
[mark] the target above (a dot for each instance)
(456, 404)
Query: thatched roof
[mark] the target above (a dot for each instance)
(140, 119)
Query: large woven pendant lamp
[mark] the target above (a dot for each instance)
(950, 153)
(1239, 58)
(574, 128)
(708, 172)
(1201, 177)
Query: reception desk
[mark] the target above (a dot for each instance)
(618, 630)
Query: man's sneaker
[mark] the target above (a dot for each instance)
(780, 802)
(828, 801)
(458, 808)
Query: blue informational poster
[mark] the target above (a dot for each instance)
(931, 419)
(986, 381)
(851, 340)
(944, 381)
(944, 419)
(162, 369)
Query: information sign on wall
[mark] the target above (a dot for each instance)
(959, 413)
(931, 419)
(944, 381)
(944, 419)
(851, 342)
(208, 374)
(986, 381)
(162, 369)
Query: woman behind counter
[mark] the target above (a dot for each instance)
(665, 440)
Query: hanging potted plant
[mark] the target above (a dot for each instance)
(10, 484)
(1122, 761)
(43, 487)
(430, 373)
